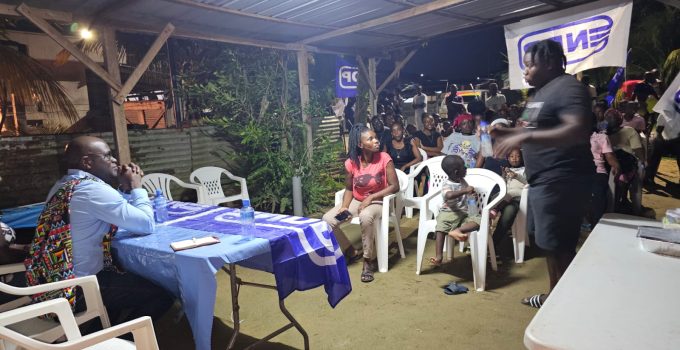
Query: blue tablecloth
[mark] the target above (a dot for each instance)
(22, 217)
(302, 253)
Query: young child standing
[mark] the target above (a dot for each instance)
(453, 218)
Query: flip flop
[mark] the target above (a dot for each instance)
(534, 300)
(454, 288)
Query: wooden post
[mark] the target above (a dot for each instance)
(372, 95)
(303, 76)
(120, 135)
(14, 112)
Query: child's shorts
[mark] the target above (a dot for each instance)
(447, 221)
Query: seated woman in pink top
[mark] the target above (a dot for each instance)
(370, 177)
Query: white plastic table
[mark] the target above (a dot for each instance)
(614, 295)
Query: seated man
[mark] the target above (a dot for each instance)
(81, 215)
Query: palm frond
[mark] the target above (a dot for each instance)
(671, 67)
(31, 82)
(92, 46)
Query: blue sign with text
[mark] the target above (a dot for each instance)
(346, 78)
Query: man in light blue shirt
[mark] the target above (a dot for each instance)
(94, 207)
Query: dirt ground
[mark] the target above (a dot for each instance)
(399, 309)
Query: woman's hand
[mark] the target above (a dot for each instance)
(469, 190)
(366, 202)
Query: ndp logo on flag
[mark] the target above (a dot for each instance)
(580, 39)
(347, 77)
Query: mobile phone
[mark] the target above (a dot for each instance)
(343, 215)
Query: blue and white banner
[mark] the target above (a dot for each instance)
(346, 78)
(304, 251)
(592, 35)
(669, 105)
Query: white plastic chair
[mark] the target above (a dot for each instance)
(10, 269)
(437, 178)
(391, 209)
(211, 179)
(152, 182)
(141, 329)
(519, 227)
(483, 181)
(48, 330)
(411, 182)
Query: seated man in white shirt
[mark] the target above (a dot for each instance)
(495, 101)
(81, 215)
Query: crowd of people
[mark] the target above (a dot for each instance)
(562, 144)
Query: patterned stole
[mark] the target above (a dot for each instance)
(50, 258)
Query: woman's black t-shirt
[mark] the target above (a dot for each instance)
(402, 156)
(562, 96)
(428, 140)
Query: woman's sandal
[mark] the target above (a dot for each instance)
(367, 273)
(434, 262)
(535, 300)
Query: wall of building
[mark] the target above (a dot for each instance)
(71, 74)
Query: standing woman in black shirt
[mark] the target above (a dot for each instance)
(556, 148)
(403, 151)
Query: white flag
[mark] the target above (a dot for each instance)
(592, 35)
(669, 105)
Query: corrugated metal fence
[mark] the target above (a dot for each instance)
(29, 165)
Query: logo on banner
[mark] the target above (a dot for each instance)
(676, 105)
(346, 80)
(347, 77)
(580, 39)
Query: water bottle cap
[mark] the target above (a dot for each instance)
(246, 202)
(159, 192)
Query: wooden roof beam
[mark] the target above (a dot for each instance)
(395, 17)
(48, 15)
(69, 46)
(144, 63)
(443, 14)
(553, 3)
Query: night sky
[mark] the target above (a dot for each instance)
(460, 57)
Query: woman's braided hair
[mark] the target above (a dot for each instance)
(354, 141)
(548, 50)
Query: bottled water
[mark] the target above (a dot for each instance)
(160, 207)
(247, 218)
(473, 210)
(487, 147)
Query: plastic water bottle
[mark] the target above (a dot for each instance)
(247, 218)
(487, 147)
(472, 206)
(160, 207)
